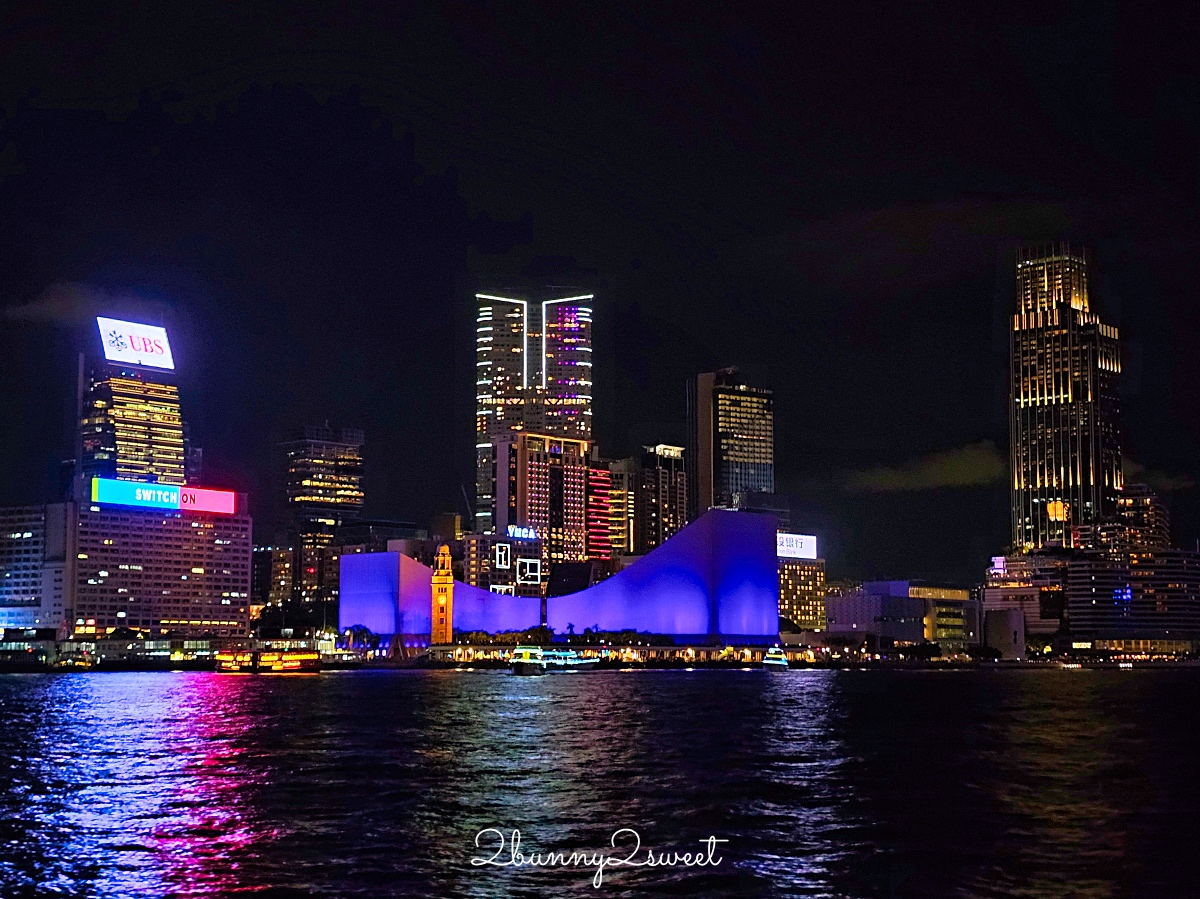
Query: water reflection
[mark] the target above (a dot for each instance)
(1067, 754)
(123, 784)
(375, 783)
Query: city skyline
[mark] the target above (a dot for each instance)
(314, 244)
(738, 450)
(1077, 300)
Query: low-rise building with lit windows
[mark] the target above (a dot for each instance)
(1034, 583)
(1140, 599)
(903, 612)
(271, 583)
(33, 566)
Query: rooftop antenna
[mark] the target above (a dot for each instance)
(467, 505)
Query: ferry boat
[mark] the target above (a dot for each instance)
(269, 661)
(567, 660)
(528, 660)
(775, 660)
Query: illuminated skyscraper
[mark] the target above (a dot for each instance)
(802, 592)
(542, 484)
(801, 581)
(599, 512)
(324, 472)
(621, 498)
(129, 421)
(533, 359)
(731, 440)
(1064, 418)
(660, 498)
(161, 568)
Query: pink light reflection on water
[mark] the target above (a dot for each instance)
(212, 829)
(132, 783)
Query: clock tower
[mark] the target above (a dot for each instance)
(443, 599)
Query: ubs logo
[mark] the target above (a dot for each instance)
(145, 345)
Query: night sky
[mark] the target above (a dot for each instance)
(828, 197)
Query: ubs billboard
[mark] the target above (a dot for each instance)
(135, 343)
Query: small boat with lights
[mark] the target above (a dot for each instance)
(528, 660)
(287, 661)
(775, 660)
(567, 660)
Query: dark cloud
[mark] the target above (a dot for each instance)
(73, 305)
(922, 245)
(1160, 481)
(974, 465)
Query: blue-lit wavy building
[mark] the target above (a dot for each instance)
(717, 579)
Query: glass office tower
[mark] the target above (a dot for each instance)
(731, 441)
(324, 476)
(130, 426)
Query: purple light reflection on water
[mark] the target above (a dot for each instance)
(136, 773)
(373, 783)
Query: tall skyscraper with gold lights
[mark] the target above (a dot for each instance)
(533, 364)
(129, 420)
(1065, 436)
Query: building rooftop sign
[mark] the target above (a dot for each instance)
(112, 492)
(135, 343)
(795, 546)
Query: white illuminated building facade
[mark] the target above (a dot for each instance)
(533, 362)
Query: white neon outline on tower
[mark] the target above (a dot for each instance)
(524, 333)
(545, 327)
